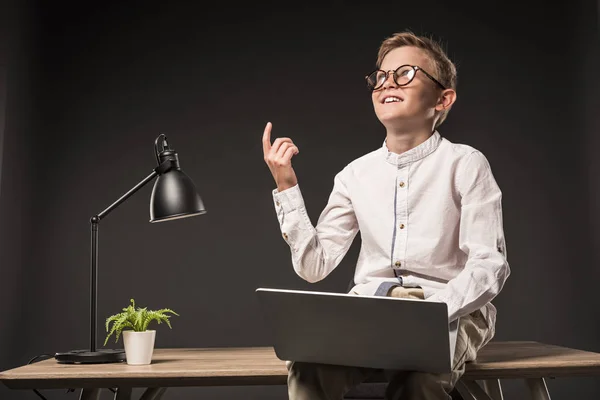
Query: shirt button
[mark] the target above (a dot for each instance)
(398, 264)
(401, 184)
(285, 236)
(401, 226)
(277, 203)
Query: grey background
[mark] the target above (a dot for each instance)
(85, 90)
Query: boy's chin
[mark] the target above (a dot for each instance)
(396, 121)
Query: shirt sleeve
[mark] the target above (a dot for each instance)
(316, 250)
(481, 237)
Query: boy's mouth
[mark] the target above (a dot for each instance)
(391, 99)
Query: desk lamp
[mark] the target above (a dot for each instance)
(174, 196)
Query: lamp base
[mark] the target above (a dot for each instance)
(90, 357)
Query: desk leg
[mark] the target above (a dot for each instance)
(465, 393)
(538, 389)
(470, 390)
(123, 393)
(90, 394)
(153, 394)
(493, 389)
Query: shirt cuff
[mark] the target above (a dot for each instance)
(288, 200)
(451, 309)
(435, 298)
(385, 288)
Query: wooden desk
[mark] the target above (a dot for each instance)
(260, 366)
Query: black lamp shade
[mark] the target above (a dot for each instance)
(174, 196)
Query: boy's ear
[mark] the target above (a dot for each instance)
(446, 99)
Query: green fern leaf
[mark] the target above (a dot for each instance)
(167, 310)
(139, 319)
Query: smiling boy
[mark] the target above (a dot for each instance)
(429, 212)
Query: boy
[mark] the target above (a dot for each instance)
(429, 212)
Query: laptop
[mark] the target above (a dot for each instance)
(362, 331)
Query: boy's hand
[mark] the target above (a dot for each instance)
(278, 157)
(407, 293)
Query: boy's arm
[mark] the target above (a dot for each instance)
(481, 238)
(316, 251)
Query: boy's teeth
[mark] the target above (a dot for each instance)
(390, 99)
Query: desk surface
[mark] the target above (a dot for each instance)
(260, 366)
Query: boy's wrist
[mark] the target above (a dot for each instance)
(285, 186)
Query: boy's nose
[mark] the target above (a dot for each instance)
(389, 80)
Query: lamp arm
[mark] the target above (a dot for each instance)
(159, 170)
(131, 191)
(94, 255)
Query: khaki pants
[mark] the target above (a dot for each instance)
(309, 381)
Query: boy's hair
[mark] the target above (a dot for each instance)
(445, 70)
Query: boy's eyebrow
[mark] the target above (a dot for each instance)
(400, 65)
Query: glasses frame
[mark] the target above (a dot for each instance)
(393, 72)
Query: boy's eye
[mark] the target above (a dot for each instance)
(381, 76)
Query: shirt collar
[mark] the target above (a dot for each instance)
(414, 154)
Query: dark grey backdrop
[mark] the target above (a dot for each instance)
(89, 88)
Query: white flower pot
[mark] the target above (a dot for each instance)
(139, 346)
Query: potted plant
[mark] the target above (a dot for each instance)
(137, 339)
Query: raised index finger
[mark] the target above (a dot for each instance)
(266, 139)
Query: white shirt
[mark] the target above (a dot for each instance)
(431, 215)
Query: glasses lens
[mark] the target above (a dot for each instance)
(376, 79)
(404, 75)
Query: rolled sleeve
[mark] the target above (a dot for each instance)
(481, 238)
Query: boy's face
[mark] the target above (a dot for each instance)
(418, 99)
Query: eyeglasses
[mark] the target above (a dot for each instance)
(403, 75)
